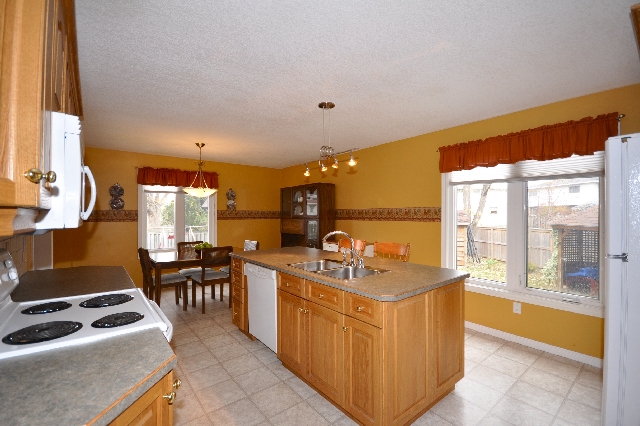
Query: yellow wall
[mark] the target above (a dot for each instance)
(405, 174)
(115, 243)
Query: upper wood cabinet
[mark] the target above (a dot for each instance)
(308, 214)
(39, 70)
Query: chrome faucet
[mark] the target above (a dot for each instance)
(354, 253)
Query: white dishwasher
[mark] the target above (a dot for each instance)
(261, 286)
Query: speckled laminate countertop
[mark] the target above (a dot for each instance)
(83, 384)
(402, 281)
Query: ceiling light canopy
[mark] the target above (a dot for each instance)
(327, 154)
(203, 190)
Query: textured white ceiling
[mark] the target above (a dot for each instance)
(245, 77)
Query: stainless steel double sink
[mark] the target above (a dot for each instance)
(334, 269)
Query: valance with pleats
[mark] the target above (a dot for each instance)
(174, 177)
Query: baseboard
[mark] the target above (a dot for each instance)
(555, 350)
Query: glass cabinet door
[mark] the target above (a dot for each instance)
(312, 233)
(311, 195)
(298, 202)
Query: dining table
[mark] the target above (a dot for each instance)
(169, 260)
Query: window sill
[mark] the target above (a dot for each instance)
(547, 302)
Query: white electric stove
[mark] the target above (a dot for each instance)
(29, 327)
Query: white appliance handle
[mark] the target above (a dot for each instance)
(84, 215)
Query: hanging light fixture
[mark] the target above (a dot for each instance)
(352, 162)
(203, 190)
(307, 172)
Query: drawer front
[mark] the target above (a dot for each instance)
(236, 264)
(329, 297)
(237, 314)
(291, 284)
(237, 279)
(292, 226)
(363, 308)
(237, 293)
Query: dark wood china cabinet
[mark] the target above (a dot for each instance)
(307, 214)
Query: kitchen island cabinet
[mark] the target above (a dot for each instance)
(383, 348)
(91, 383)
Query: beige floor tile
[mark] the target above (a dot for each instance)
(346, 421)
(189, 349)
(250, 345)
(516, 354)
(592, 380)
(279, 370)
(218, 341)
(557, 368)
(301, 388)
(481, 342)
(586, 395)
(210, 331)
(537, 397)
(324, 408)
(184, 338)
(458, 411)
(519, 413)
(469, 365)
(560, 422)
(186, 409)
(185, 386)
(202, 323)
(208, 376)
(228, 326)
(242, 412)
(524, 348)
(242, 364)
(200, 421)
(219, 395)
(491, 378)
(275, 399)
(505, 365)
(431, 419)
(256, 380)
(476, 355)
(491, 420)
(592, 369)
(562, 359)
(547, 381)
(478, 394)
(300, 414)
(266, 356)
(179, 328)
(196, 362)
(224, 353)
(579, 414)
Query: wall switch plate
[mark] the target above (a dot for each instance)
(517, 307)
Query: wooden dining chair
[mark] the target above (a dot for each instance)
(215, 257)
(179, 282)
(186, 250)
(359, 245)
(395, 251)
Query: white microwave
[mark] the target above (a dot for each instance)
(68, 191)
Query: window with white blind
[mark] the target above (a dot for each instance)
(167, 216)
(529, 231)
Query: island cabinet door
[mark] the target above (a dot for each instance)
(292, 332)
(152, 408)
(363, 371)
(447, 338)
(325, 368)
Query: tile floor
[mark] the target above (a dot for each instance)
(228, 379)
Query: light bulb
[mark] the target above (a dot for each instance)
(307, 172)
(352, 162)
(323, 167)
(335, 163)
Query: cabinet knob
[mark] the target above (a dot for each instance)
(300, 310)
(287, 285)
(235, 313)
(320, 296)
(35, 175)
(177, 383)
(359, 308)
(344, 329)
(170, 398)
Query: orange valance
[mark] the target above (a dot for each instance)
(561, 140)
(174, 177)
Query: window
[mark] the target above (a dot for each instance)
(574, 189)
(542, 244)
(166, 216)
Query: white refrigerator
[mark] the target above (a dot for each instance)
(621, 387)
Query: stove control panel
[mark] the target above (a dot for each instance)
(8, 274)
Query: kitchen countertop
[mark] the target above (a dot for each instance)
(404, 279)
(83, 384)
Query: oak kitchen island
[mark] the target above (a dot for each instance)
(383, 348)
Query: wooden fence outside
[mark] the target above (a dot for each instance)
(492, 243)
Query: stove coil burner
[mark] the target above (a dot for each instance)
(41, 332)
(106, 300)
(117, 320)
(46, 308)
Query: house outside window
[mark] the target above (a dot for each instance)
(542, 244)
(167, 216)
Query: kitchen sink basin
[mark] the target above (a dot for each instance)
(318, 265)
(351, 272)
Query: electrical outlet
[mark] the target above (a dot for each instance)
(517, 307)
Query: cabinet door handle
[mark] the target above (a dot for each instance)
(177, 383)
(320, 296)
(170, 398)
(344, 329)
(35, 175)
(359, 308)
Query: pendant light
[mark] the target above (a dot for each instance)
(203, 190)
